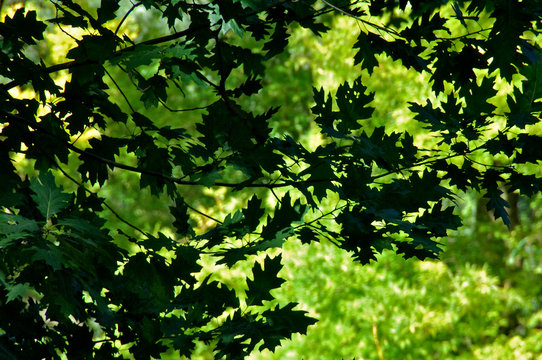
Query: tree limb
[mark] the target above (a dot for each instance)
(14, 118)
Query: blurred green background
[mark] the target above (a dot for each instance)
(482, 300)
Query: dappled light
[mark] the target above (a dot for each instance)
(270, 179)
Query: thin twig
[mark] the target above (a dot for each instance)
(120, 90)
(62, 29)
(275, 195)
(203, 214)
(379, 27)
(188, 109)
(464, 35)
(488, 165)
(323, 235)
(126, 16)
(104, 202)
(322, 216)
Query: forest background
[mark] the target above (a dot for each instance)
(481, 300)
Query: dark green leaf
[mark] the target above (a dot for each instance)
(107, 10)
(48, 197)
(265, 279)
(497, 204)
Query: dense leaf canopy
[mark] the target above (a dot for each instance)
(72, 284)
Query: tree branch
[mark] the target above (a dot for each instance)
(15, 118)
(74, 63)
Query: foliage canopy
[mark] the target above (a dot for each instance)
(69, 284)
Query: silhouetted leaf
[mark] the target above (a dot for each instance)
(265, 279)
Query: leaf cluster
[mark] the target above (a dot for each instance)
(67, 275)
